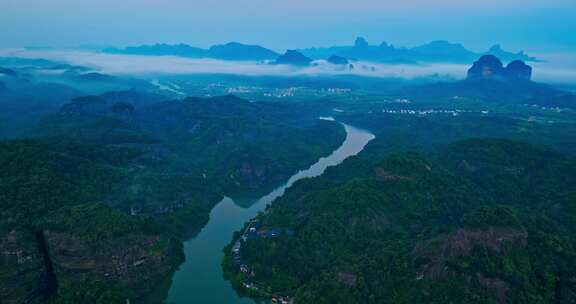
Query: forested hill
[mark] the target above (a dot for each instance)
(233, 144)
(60, 241)
(484, 221)
(96, 205)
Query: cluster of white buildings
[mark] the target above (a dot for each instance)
(430, 112)
(555, 109)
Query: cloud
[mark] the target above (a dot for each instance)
(554, 71)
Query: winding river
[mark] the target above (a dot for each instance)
(200, 279)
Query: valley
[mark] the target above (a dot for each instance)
(221, 188)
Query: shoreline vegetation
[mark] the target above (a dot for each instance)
(104, 176)
(444, 224)
(72, 184)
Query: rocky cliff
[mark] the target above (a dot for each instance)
(55, 248)
(135, 262)
(490, 67)
(23, 275)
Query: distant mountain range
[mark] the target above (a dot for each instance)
(489, 66)
(435, 51)
(228, 51)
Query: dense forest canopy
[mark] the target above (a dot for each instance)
(467, 194)
(484, 221)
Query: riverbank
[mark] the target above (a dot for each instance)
(202, 270)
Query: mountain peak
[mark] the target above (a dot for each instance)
(293, 57)
(490, 66)
(360, 42)
(486, 66)
(239, 51)
(517, 69)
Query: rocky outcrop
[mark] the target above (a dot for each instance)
(293, 57)
(461, 243)
(23, 276)
(440, 253)
(135, 261)
(517, 69)
(79, 247)
(490, 67)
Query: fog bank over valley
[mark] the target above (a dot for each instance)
(559, 68)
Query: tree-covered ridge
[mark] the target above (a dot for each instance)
(96, 206)
(56, 230)
(514, 173)
(39, 177)
(99, 254)
(487, 221)
(231, 143)
(193, 151)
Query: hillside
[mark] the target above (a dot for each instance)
(95, 207)
(228, 51)
(61, 242)
(230, 143)
(487, 221)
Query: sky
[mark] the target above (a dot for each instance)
(531, 25)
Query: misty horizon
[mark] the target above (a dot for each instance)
(555, 68)
(287, 152)
(532, 26)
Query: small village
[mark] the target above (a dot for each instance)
(430, 112)
(254, 230)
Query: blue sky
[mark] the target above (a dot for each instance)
(532, 25)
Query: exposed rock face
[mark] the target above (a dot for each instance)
(439, 252)
(23, 277)
(461, 243)
(490, 67)
(84, 245)
(486, 67)
(134, 261)
(383, 176)
(519, 70)
(293, 57)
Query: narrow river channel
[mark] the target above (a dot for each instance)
(200, 280)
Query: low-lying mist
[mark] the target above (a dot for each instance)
(558, 68)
